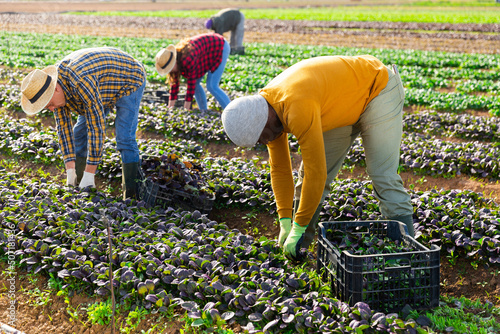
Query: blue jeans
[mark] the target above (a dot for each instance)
(213, 80)
(127, 113)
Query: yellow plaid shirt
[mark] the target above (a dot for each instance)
(93, 80)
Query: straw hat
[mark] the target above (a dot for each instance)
(165, 60)
(37, 89)
(244, 119)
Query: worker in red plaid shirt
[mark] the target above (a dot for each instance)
(192, 58)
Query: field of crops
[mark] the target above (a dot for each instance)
(176, 271)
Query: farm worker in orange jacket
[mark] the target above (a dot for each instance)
(229, 19)
(89, 83)
(325, 102)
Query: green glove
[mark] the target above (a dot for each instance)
(285, 227)
(292, 244)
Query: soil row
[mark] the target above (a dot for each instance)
(289, 26)
(466, 38)
(448, 30)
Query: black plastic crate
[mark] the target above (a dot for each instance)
(386, 282)
(162, 96)
(154, 194)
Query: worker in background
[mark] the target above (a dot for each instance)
(192, 58)
(325, 102)
(89, 83)
(232, 20)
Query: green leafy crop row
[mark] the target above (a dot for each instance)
(423, 72)
(480, 12)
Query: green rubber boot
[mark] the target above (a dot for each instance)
(130, 176)
(80, 164)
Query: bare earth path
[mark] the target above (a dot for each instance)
(43, 16)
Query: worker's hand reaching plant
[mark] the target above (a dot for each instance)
(293, 243)
(71, 177)
(171, 103)
(87, 180)
(285, 227)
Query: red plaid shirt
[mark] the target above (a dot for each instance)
(205, 55)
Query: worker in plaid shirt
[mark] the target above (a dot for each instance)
(192, 58)
(89, 83)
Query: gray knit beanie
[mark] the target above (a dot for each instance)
(244, 119)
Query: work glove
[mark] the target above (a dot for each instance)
(285, 227)
(71, 177)
(293, 243)
(171, 103)
(87, 180)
